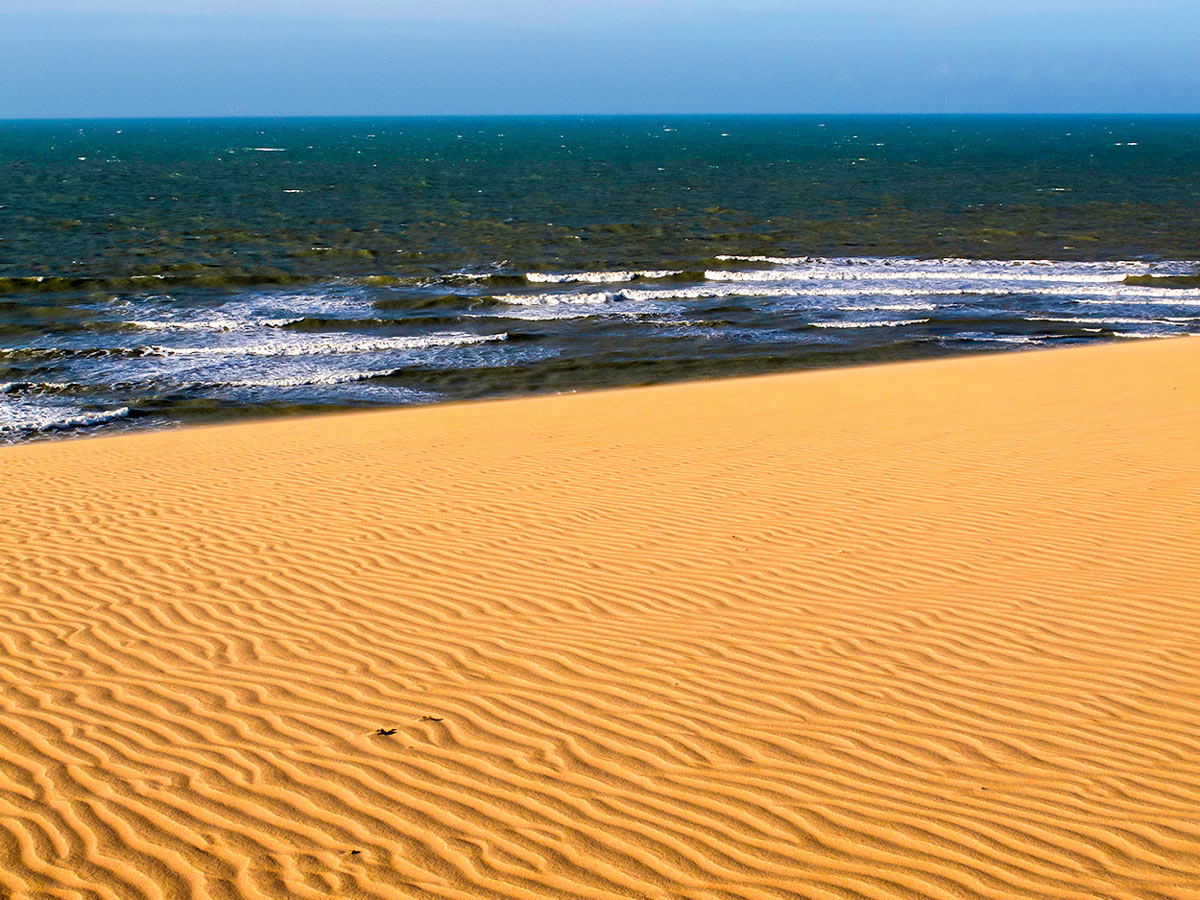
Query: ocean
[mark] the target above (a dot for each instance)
(160, 272)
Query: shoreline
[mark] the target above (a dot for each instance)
(255, 418)
(922, 628)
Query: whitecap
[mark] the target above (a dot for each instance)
(997, 338)
(304, 379)
(889, 307)
(184, 325)
(775, 260)
(328, 344)
(597, 277)
(34, 418)
(894, 323)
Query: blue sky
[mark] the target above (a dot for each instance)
(80, 58)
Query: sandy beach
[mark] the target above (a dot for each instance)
(926, 630)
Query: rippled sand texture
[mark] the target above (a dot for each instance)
(929, 630)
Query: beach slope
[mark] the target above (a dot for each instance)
(924, 630)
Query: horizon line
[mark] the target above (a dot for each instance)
(583, 115)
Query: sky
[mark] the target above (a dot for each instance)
(129, 58)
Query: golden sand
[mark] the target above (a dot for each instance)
(925, 630)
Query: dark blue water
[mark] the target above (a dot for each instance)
(160, 272)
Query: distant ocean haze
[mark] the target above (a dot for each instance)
(154, 272)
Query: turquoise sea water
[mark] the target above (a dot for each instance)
(154, 272)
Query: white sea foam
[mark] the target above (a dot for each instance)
(832, 273)
(894, 323)
(33, 418)
(597, 277)
(997, 338)
(711, 290)
(11, 387)
(1121, 293)
(883, 277)
(776, 260)
(209, 324)
(1162, 300)
(591, 297)
(953, 263)
(551, 313)
(184, 325)
(889, 307)
(1087, 285)
(305, 379)
(470, 276)
(329, 344)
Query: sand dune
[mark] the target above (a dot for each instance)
(928, 630)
